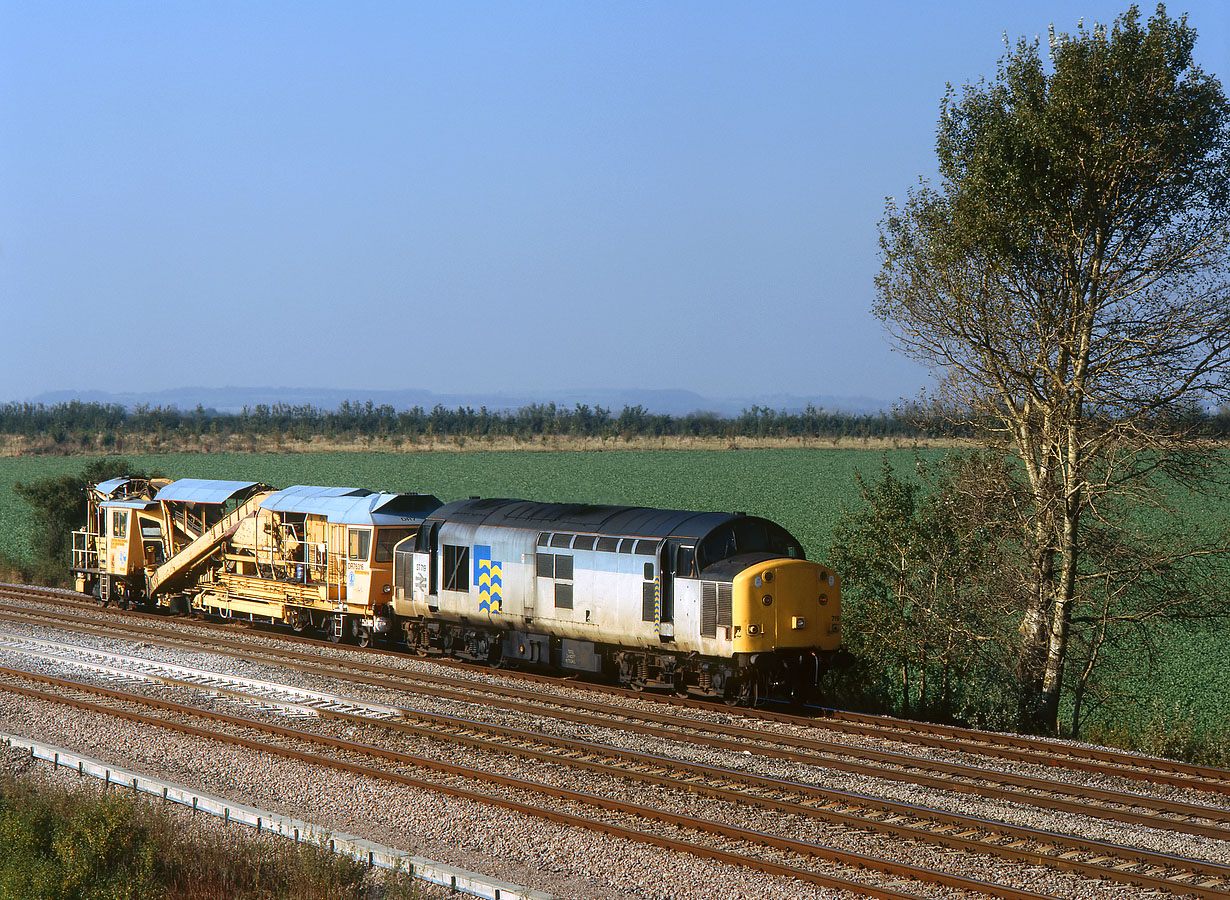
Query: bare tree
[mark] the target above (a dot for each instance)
(1068, 284)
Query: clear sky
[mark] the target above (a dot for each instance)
(474, 197)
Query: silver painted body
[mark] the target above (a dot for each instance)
(611, 593)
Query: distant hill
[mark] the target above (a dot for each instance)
(667, 402)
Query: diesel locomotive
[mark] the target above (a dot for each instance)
(720, 605)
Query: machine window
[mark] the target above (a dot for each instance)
(456, 568)
(386, 540)
(360, 543)
(563, 596)
(119, 523)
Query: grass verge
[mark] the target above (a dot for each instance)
(89, 845)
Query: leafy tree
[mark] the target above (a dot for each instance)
(926, 564)
(1068, 283)
(59, 510)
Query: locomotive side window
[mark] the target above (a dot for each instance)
(646, 548)
(608, 544)
(561, 540)
(552, 565)
(456, 568)
(546, 565)
(563, 595)
(584, 542)
(685, 562)
(627, 545)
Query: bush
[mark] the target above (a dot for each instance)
(93, 846)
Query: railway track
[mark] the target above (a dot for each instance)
(1154, 871)
(961, 777)
(787, 800)
(1014, 748)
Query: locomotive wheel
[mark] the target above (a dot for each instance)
(746, 692)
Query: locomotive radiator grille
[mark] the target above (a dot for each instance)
(715, 607)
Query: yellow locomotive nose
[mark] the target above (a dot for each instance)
(786, 603)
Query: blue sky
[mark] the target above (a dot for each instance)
(473, 197)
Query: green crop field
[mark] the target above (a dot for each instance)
(801, 489)
(804, 490)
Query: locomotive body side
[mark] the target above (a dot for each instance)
(654, 597)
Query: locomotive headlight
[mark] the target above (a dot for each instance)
(388, 588)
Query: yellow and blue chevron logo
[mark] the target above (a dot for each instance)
(488, 577)
(657, 605)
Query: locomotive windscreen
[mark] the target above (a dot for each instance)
(747, 534)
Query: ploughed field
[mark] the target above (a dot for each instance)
(804, 490)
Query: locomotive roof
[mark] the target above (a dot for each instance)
(630, 521)
(203, 490)
(352, 506)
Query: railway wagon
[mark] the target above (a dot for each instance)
(720, 604)
(314, 557)
(135, 525)
(305, 556)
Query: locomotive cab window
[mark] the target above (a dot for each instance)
(360, 543)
